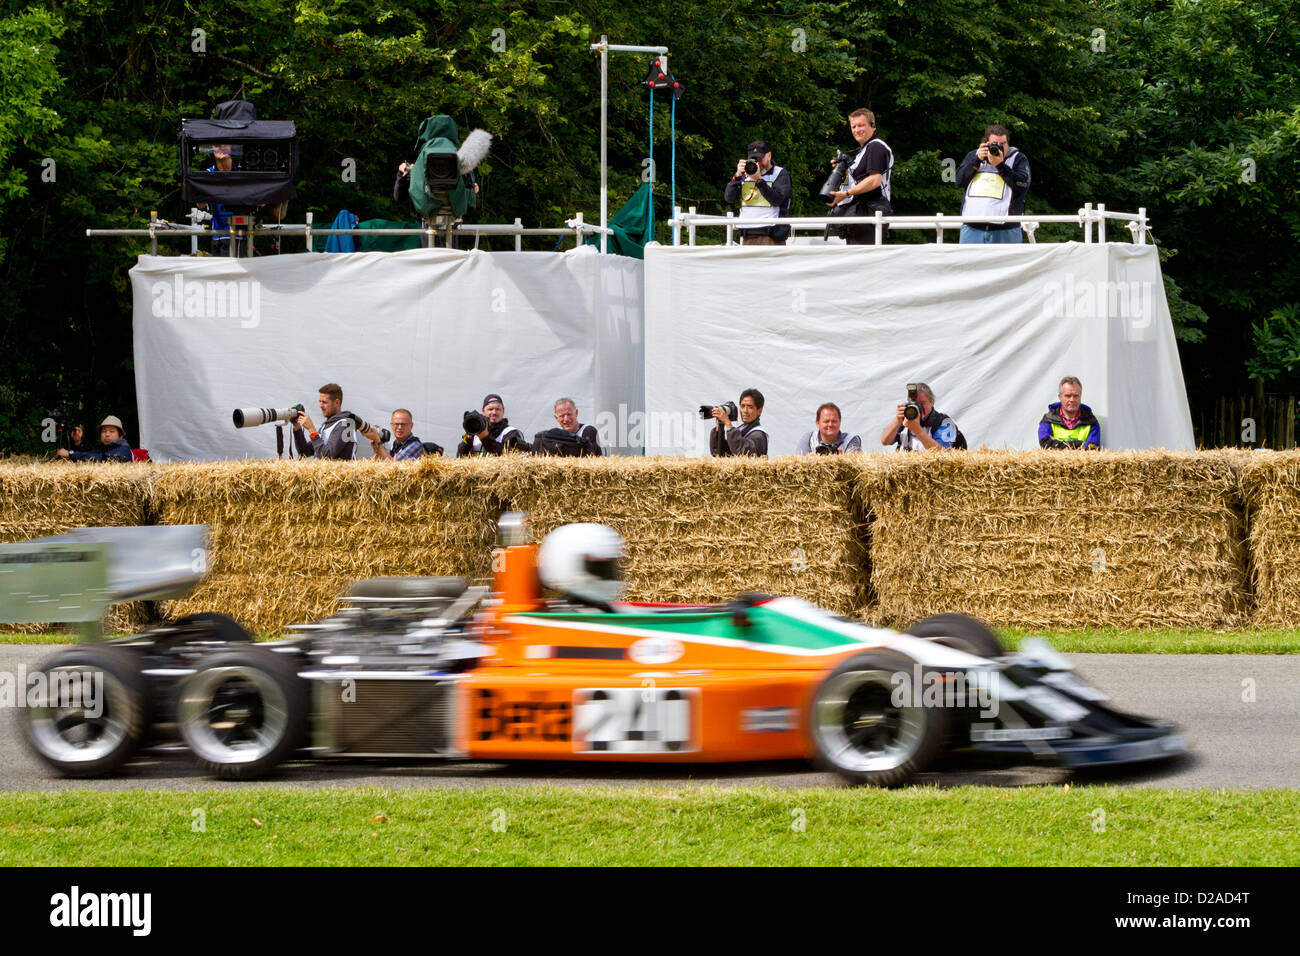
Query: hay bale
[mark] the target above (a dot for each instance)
(1045, 539)
(707, 529)
(46, 498)
(289, 535)
(1271, 488)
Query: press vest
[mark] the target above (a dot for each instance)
(753, 204)
(987, 193)
(850, 182)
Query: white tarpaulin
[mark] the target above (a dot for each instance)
(991, 328)
(430, 330)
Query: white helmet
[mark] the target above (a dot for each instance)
(583, 560)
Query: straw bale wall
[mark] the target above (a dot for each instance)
(287, 536)
(1271, 487)
(1025, 539)
(50, 498)
(1043, 539)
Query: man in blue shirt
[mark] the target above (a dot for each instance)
(111, 437)
(406, 447)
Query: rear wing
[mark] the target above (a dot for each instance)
(74, 577)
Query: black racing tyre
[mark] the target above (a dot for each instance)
(863, 733)
(209, 626)
(961, 632)
(94, 712)
(243, 712)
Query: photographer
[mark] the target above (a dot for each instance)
(750, 438)
(495, 437)
(763, 191)
(112, 435)
(336, 438)
(996, 179)
(826, 438)
(866, 188)
(919, 426)
(406, 447)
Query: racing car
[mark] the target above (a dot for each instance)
(546, 663)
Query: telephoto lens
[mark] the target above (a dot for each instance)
(474, 422)
(250, 417)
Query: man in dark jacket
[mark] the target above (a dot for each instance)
(1068, 422)
(499, 436)
(111, 437)
(762, 194)
(747, 438)
(337, 435)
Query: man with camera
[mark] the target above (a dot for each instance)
(918, 426)
(1068, 422)
(749, 438)
(570, 438)
(406, 447)
(337, 435)
(763, 191)
(489, 432)
(866, 180)
(826, 438)
(996, 179)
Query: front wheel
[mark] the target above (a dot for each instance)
(869, 724)
(90, 713)
(243, 713)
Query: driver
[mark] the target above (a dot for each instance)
(583, 562)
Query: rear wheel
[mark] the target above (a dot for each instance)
(869, 725)
(959, 631)
(243, 713)
(90, 715)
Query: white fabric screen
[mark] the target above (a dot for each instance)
(991, 328)
(430, 330)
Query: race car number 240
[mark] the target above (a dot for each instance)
(635, 720)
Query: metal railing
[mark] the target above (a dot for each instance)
(1087, 217)
(162, 229)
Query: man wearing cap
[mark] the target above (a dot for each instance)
(111, 437)
(499, 436)
(762, 194)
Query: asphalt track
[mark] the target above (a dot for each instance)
(1240, 713)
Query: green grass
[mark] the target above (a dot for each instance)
(1100, 641)
(653, 826)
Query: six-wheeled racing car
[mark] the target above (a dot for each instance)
(436, 668)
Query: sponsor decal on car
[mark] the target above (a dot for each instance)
(643, 720)
(656, 650)
(534, 716)
(768, 720)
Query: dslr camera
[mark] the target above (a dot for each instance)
(836, 179)
(733, 413)
(751, 167)
(912, 410)
(826, 448)
(995, 148)
(473, 422)
(362, 425)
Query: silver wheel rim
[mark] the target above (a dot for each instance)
(69, 734)
(232, 715)
(859, 729)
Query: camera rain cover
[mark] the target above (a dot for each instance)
(264, 156)
(436, 148)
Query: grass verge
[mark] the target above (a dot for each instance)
(653, 826)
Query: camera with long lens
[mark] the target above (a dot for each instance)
(733, 413)
(474, 422)
(751, 167)
(995, 148)
(912, 410)
(836, 179)
(362, 426)
(826, 448)
(251, 417)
